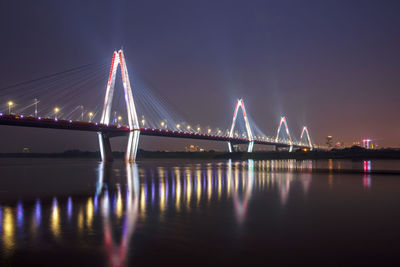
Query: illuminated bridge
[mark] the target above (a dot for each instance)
(107, 129)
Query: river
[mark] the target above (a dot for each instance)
(197, 212)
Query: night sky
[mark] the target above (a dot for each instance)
(331, 65)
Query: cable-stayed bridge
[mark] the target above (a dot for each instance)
(110, 125)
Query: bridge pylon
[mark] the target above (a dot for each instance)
(240, 104)
(305, 130)
(118, 59)
(283, 121)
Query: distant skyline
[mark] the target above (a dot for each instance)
(331, 65)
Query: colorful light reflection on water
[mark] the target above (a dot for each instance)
(144, 195)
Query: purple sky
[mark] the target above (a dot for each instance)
(331, 65)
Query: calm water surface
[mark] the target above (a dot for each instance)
(82, 212)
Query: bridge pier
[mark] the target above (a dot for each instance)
(131, 149)
(235, 148)
(250, 147)
(230, 148)
(105, 147)
(283, 148)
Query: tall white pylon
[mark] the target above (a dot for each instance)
(305, 130)
(240, 104)
(133, 138)
(283, 120)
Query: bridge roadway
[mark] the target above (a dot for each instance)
(122, 130)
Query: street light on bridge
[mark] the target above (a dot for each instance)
(178, 126)
(119, 119)
(36, 104)
(82, 111)
(90, 116)
(10, 104)
(143, 121)
(56, 110)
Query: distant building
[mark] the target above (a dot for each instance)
(193, 148)
(329, 142)
(367, 143)
(26, 150)
(339, 144)
(356, 143)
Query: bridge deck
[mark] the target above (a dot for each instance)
(120, 130)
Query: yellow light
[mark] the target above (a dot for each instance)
(198, 174)
(55, 219)
(178, 126)
(89, 212)
(142, 201)
(56, 109)
(209, 184)
(188, 127)
(119, 118)
(188, 188)
(209, 130)
(178, 189)
(162, 124)
(80, 220)
(90, 116)
(118, 207)
(198, 129)
(162, 195)
(10, 103)
(8, 229)
(219, 182)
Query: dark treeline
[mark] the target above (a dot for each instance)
(347, 153)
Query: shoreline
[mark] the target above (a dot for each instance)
(355, 154)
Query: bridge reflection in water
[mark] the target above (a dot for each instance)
(116, 208)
